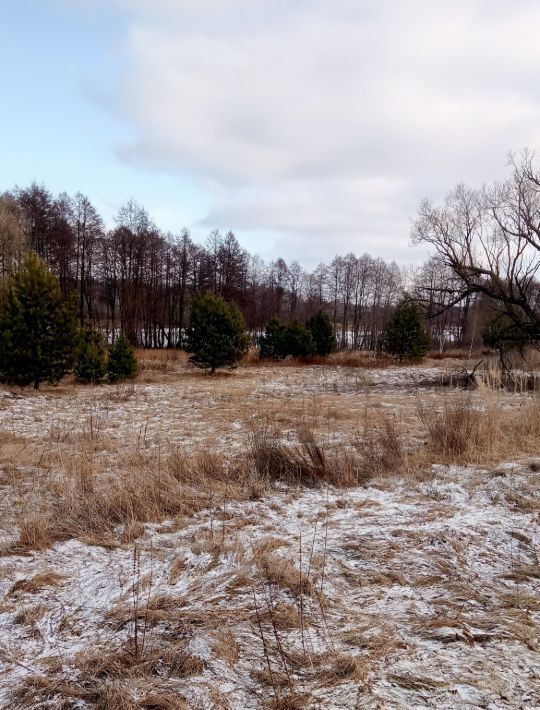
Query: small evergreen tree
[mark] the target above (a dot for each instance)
(122, 364)
(298, 340)
(322, 333)
(272, 343)
(90, 356)
(282, 340)
(37, 327)
(405, 335)
(216, 334)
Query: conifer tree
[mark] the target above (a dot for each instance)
(37, 327)
(122, 364)
(216, 333)
(298, 340)
(272, 344)
(322, 333)
(405, 335)
(90, 356)
(283, 340)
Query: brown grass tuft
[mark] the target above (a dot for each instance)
(35, 584)
(305, 463)
(163, 700)
(175, 661)
(291, 701)
(465, 430)
(225, 646)
(343, 667)
(34, 533)
(41, 691)
(283, 572)
(381, 448)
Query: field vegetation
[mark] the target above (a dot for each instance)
(327, 532)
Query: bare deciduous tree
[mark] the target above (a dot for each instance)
(490, 239)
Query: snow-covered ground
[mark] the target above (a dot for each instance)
(417, 591)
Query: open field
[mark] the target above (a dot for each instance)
(282, 536)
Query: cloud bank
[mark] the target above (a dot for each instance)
(325, 123)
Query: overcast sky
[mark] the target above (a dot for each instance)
(308, 127)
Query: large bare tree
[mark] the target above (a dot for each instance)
(490, 239)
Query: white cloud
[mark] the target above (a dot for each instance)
(312, 119)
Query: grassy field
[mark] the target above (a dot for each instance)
(348, 534)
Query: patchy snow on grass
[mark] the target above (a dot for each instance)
(419, 590)
(418, 596)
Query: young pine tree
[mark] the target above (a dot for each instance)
(216, 333)
(90, 356)
(272, 344)
(282, 340)
(322, 333)
(298, 340)
(405, 335)
(37, 327)
(122, 364)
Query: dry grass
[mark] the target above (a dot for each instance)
(174, 661)
(144, 488)
(34, 532)
(304, 463)
(110, 506)
(35, 584)
(343, 667)
(203, 512)
(284, 573)
(41, 691)
(290, 701)
(283, 616)
(226, 646)
(450, 354)
(382, 448)
(467, 430)
(341, 358)
(30, 615)
(163, 700)
(36, 691)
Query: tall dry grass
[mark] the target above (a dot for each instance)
(476, 428)
(305, 462)
(107, 499)
(382, 447)
(340, 358)
(104, 507)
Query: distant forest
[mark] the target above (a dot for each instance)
(136, 278)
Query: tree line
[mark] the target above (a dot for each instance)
(136, 279)
(480, 284)
(40, 340)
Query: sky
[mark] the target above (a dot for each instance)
(308, 127)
